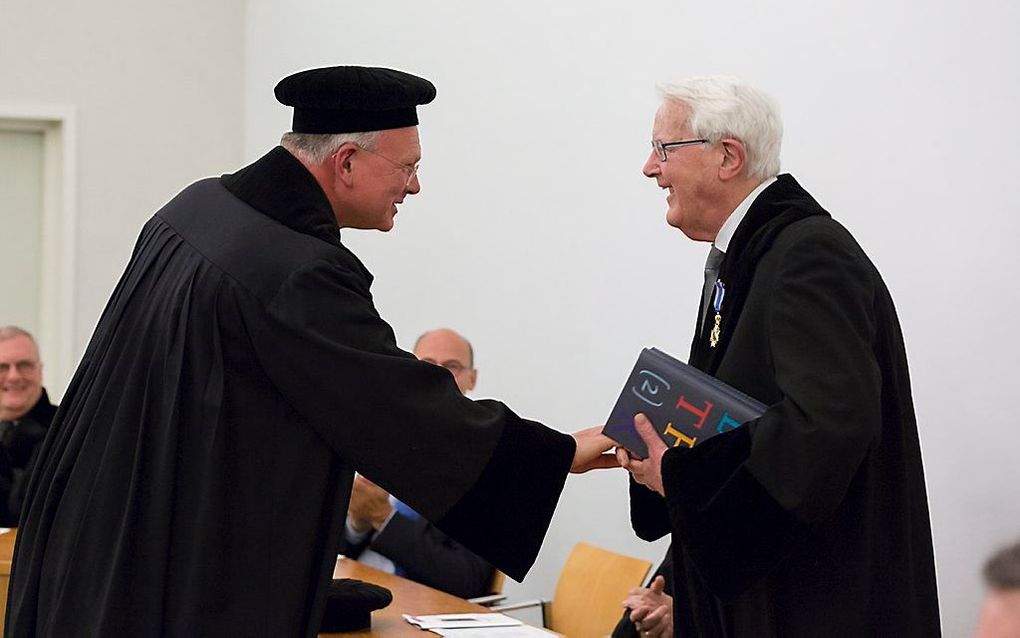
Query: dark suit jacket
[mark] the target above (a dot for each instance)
(19, 448)
(811, 520)
(425, 554)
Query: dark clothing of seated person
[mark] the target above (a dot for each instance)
(25, 415)
(408, 545)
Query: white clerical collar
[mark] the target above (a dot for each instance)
(722, 240)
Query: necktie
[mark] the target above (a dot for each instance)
(715, 257)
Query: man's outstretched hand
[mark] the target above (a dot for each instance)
(592, 451)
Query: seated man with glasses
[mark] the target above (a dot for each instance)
(25, 414)
(386, 534)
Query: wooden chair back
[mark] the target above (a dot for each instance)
(590, 589)
(496, 584)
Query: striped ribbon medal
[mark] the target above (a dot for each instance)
(717, 300)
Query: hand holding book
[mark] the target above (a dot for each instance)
(646, 471)
(684, 404)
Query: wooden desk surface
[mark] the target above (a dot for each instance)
(6, 554)
(7, 551)
(409, 597)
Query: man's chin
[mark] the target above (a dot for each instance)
(683, 228)
(17, 408)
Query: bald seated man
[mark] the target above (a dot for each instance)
(386, 534)
(25, 415)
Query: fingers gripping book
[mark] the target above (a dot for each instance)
(685, 405)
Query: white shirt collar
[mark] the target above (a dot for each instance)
(722, 240)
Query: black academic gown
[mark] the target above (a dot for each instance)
(813, 519)
(196, 477)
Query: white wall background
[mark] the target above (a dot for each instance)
(156, 88)
(537, 236)
(535, 233)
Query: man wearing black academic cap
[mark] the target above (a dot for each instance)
(196, 478)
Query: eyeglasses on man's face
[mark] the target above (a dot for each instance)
(662, 147)
(454, 366)
(409, 169)
(24, 367)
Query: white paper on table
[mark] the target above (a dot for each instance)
(462, 621)
(520, 631)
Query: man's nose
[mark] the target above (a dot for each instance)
(651, 167)
(414, 185)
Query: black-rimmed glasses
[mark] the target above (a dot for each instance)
(662, 147)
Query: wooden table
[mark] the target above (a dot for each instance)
(6, 554)
(409, 597)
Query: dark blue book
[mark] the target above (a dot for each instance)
(685, 405)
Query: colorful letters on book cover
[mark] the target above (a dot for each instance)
(685, 405)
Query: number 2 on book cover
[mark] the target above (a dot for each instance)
(651, 385)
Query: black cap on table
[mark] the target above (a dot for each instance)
(352, 99)
(350, 603)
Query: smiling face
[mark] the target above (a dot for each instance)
(378, 179)
(20, 377)
(689, 175)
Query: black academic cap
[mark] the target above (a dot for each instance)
(350, 99)
(350, 603)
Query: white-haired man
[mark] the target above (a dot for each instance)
(811, 520)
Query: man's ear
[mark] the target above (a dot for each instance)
(343, 164)
(734, 158)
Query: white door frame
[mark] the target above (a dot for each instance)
(57, 123)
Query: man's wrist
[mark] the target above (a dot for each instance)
(356, 530)
(380, 521)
